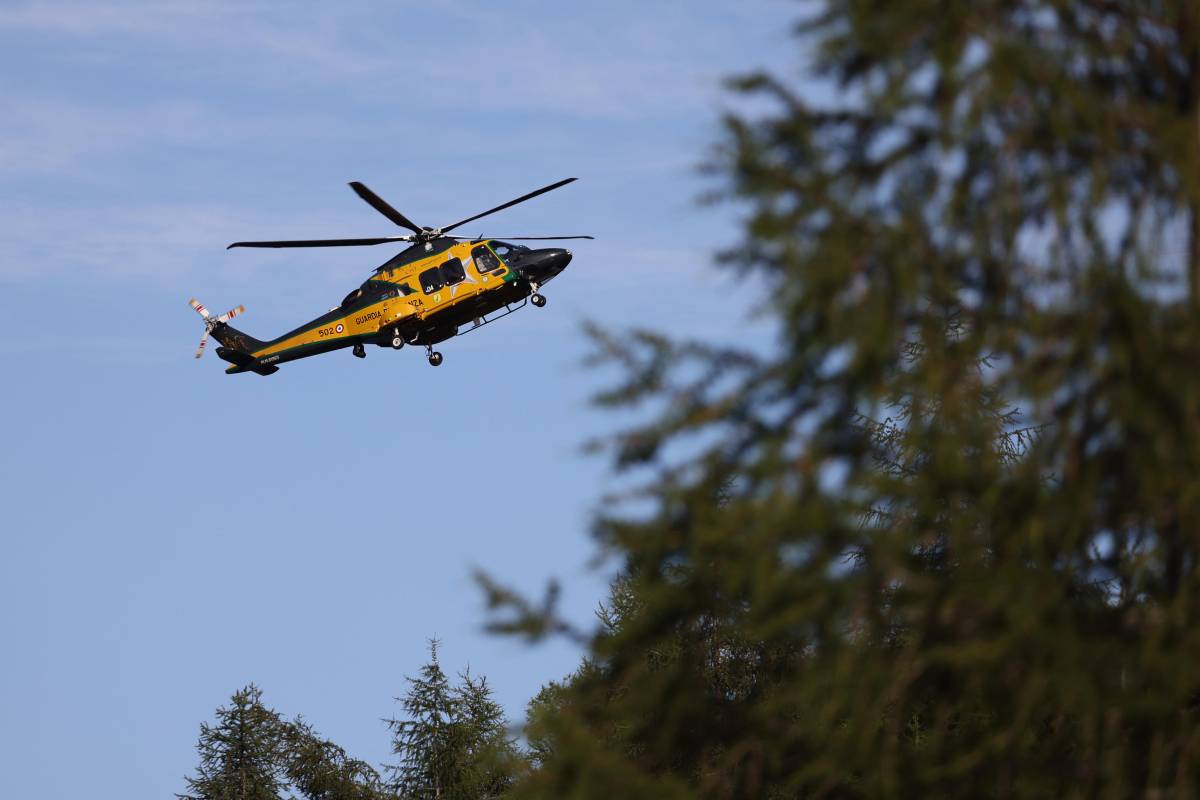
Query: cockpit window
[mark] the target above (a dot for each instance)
(485, 259)
(352, 298)
(405, 289)
(508, 252)
(431, 280)
(378, 290)
(452, 271)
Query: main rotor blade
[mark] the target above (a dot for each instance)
(509, 204)
(323, 242)
(516, 238)
(381, 205)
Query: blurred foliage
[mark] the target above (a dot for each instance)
(943, 539)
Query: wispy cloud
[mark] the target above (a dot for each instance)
(163, 243)
(45, 134)
(100, 18)
(112, 242)
(119, 349)
(574, 62)
(441, 99)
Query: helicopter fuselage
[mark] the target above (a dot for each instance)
(424, 295)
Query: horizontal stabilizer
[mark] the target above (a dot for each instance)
(244, 362)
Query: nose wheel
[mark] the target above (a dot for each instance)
(435, 358)
(536, 298)
(359, 351)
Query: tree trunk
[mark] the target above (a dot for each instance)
(1194, 195)
(1189, 32)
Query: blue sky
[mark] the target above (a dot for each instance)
(172, 533)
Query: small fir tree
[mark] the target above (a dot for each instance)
(453, 743)
(425, 740)
(241, 753)
(320, 770)
(252, 753)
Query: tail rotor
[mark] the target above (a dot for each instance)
(211, 322)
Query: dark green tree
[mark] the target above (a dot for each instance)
(539, 714)
(956, 548)
(453, 741)
(425, 740)
(241, 753)
(252, 753)
(493, 758)
(318, 769)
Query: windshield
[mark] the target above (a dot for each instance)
(508, 252)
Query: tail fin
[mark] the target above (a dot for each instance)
(232, 338)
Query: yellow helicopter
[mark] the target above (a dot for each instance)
(438, 287)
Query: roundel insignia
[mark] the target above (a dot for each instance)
(340, 328)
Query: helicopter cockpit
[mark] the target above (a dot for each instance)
(509, 252)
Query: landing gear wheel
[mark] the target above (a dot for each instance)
(537, 299)
(435, 359)
(397, 343)
(360, 351)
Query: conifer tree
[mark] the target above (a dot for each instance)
(320, 770)
(240, 754)
(426, 739)
(494, 760)
(252, 753)
(453, 742)
(958, 550)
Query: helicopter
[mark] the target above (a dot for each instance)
(439, 287)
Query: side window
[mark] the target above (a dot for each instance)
(452, 272)
(485, 259)
(431, 280)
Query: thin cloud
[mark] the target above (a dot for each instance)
(165, 242)
(113, 243)
(568, 63)
(128, 349)
(59, 134)
(98, 18)
(48, 134)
